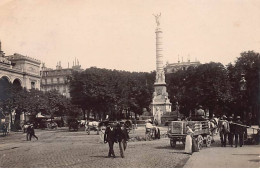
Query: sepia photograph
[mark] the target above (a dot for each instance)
(129, 84)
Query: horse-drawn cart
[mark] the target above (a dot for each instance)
(201, 129)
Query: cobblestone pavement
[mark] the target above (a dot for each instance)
(61, 148)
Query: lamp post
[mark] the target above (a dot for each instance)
(243, 90)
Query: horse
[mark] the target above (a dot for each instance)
(93, 125)
(214, 127)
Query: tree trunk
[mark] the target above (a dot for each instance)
(84, 114)
(88, 113)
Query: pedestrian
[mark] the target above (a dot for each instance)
(32, 133)
(135, 123)
(190, 143)
(200, 114)
(110, 138)
(4, 129)
(239, 132)
(232, 131)
(28, 133)
(223, 130)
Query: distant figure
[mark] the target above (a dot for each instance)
(223, 130)
(32, 133)
(239, 132)
(4, 130)
(232, 131)
(200, 113)
(28, 133)
(135, 123)
(158, 115)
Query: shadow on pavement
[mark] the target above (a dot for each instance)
(178, 147)
(246, 154)
(101, 157)
(256, 160)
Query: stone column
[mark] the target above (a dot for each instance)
(161, 102)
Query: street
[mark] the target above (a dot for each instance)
(61, 148)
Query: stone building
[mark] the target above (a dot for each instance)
(58, 78)
(18, 70)
(174, 67)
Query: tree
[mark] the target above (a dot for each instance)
(248, 64)
(207, 85)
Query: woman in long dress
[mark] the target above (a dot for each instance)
(188, 142)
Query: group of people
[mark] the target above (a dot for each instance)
(116, 133)
(230, 128)
(30, 133)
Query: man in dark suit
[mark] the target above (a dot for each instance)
(232, 131)
(110, 138)
(239, 132)
(28, 133)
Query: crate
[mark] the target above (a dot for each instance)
(177, 127)
(198, 127)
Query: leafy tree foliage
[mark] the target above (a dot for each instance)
(206, 85)
(111, 92)
(246, 101)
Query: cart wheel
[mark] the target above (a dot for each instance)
(208, 141)
(200, 142)
(173, 143)
(148, 136)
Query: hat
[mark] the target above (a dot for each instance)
(238, 117)
(224, 117)
(230, 117)
(200, 106)
(148, 120)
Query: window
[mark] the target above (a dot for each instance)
(58, 80)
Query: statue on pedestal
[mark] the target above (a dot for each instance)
(158, 115)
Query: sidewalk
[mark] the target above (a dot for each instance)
(247, 156)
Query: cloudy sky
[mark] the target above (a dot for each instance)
(119, 34)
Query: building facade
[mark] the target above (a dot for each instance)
(174, 67)
(57, 79)
(20, 70)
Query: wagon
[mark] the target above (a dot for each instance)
(177, 132)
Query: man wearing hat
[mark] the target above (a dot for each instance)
(232, 131)
(110, 137)
(200, 113)
(239, 132)
(224, 130)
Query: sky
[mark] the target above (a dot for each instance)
(120, 34)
